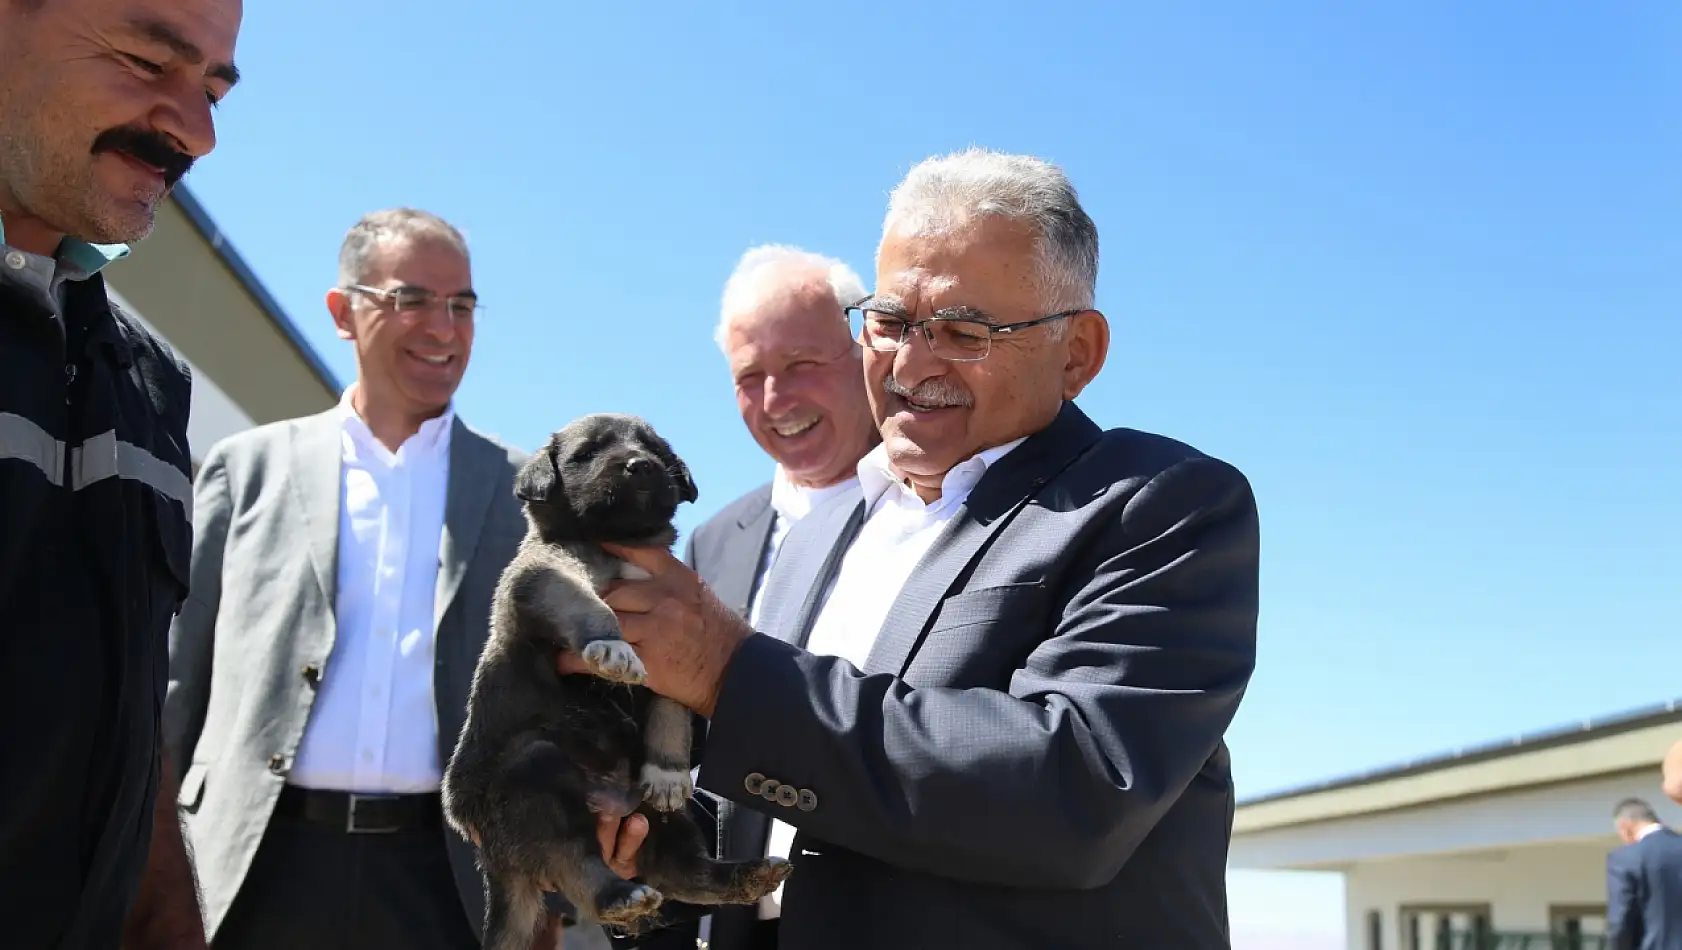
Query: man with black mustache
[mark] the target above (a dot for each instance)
(104, 104)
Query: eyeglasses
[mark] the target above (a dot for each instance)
(958, 335)
(409, 301)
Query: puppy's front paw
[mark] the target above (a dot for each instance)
(614, 660)
(665, 789)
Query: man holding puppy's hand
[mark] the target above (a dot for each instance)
(994, 716)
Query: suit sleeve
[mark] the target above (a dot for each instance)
(1623, 905)
(1105, 724)
(192, 635)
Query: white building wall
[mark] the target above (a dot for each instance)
(1569, 811)
(1520, 886)
(214, 415)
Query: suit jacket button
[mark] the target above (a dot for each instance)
(277, 764)
(753, 783)
(312, 673)
(808, 800)
(787, 796)
(769, 792)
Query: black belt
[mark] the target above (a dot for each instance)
(357, 813)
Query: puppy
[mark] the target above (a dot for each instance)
(542, 754)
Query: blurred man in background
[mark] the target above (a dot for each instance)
(1643, 882)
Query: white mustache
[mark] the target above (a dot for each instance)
(930, 393)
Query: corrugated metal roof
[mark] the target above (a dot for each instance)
(1582, 731)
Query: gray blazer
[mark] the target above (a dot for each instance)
(257, 629)
(1033, 754)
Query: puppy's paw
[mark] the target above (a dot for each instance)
(766, 876)
(614, 660)
(665, 789)
(631, 904)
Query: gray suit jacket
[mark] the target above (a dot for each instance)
(260, 613)
(1033, 754)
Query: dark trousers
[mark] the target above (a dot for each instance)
(316, 888)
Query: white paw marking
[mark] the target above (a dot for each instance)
(640, 902)
(666, 789)
(615, 660)
(631, 572)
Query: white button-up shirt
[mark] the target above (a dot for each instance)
(789, 503)
(374, 726)
(899, 528)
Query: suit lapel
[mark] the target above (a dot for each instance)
(314, 477)
(467, 500)
(747, 554)
(1003, 491)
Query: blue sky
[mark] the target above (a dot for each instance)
(1412, 267)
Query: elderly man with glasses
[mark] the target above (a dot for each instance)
(342, 572)
(989, 697)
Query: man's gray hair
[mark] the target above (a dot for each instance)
(949, 191)
(1636, 810)
(377, 227)
(769, 263)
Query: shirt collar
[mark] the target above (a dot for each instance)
(87, 259)
(430, 441)
(1647, 830)
(877, 477)
(792, 502)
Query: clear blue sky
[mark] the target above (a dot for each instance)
(1413, 267)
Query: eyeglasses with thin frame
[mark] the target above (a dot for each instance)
(409, 301)
(957, 334)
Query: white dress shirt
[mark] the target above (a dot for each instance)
(374, 727)
(789, 503)
(899, 528)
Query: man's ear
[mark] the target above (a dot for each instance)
(338, 307)
(538, 477)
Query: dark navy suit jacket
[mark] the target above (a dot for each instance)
(1644, 893)
(1033, 754)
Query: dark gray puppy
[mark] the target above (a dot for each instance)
(542, 754)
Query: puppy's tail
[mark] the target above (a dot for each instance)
(513, 913)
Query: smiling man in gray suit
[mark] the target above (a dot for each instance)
(342, 572)
(783, 331)
(782, 328)
(989, 698)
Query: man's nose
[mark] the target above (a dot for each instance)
(914, 362)
(778, 395)
(186, 118)
(438, 322)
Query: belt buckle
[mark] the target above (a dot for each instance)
(351, 825)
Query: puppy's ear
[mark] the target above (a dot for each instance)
(685, 484)
(536, 479)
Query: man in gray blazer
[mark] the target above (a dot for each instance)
(342, 572)
(991, 696)
(783, 331)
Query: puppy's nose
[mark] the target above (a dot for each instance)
(638, 466)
